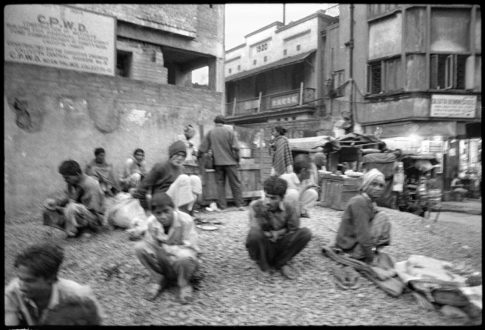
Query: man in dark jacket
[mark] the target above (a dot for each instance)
(224, 145)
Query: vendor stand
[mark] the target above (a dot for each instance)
(249, 169)
(342, 179)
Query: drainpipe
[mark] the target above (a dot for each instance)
(284, 14)
(351, 60)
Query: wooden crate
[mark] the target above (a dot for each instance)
(336, 190)
(249, 174)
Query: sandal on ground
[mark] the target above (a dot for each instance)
(288, 272)
(346, 277)
(153, 291)
(185, 294)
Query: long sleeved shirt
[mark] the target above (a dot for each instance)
(20, 310)
(89, 193)
(285, 216)
(133, 166)
(356, 224)
(160, 177)
(103, 172)
(224, 145)
(180, 239)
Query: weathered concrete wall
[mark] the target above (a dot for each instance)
(70, 113)
(201, 25)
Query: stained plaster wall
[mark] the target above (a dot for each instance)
(70, 113)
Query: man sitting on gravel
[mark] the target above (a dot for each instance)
(169, 177)
(302, 189)
(103, 172)
(81, 208)
(169, 250)
(32, 297)
(274, 237)
(363, 229)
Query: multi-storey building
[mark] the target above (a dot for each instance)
(408, 73)
(414, 77)
(276, 77)
(82, 76)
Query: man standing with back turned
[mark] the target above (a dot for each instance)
(225, 148)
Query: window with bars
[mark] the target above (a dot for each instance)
(374, 85)
(384, 76)
(448, 71)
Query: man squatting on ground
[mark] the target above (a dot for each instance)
(275, 236)
(168, 177)
(82, 207)
(169, 249)
(36, 295)
(364, 229)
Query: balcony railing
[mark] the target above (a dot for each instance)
(270, 102)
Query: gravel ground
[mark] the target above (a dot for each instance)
(227, 292)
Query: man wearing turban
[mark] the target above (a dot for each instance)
(363, 228)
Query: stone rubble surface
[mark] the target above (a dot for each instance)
(226, 289)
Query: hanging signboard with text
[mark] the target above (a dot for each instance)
(61, 37)
(461, 106)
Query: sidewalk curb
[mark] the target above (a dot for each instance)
(457, 210)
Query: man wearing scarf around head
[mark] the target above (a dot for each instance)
(363, 228)
(169, 177)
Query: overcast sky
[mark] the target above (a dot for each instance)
(244, 18)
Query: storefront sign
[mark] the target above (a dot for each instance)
(285, 100)
(462, 106)
(61, 37)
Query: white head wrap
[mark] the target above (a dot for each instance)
(370, 176)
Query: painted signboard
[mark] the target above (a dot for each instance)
(461, 106)
(285, 100)
(61, 37)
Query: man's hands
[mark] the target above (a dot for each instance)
(272, 235)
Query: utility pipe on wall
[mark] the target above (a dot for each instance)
(351, 60)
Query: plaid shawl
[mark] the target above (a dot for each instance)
(282, 155)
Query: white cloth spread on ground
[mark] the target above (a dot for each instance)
(419, 267)
(432, 274)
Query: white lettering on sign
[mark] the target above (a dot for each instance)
(462, 106)
(286, 100)
(60, 36)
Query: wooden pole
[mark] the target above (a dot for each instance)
(301, 93)
(234, 106)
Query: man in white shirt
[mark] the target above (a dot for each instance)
(302, 190)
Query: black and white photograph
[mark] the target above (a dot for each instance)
(242, 164)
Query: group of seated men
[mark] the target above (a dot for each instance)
(169, 247)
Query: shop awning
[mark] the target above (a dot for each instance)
(271, 66)
(309, 144)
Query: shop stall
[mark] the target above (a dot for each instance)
(250, 144)
(343, 177)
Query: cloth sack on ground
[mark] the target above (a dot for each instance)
(127, 212)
